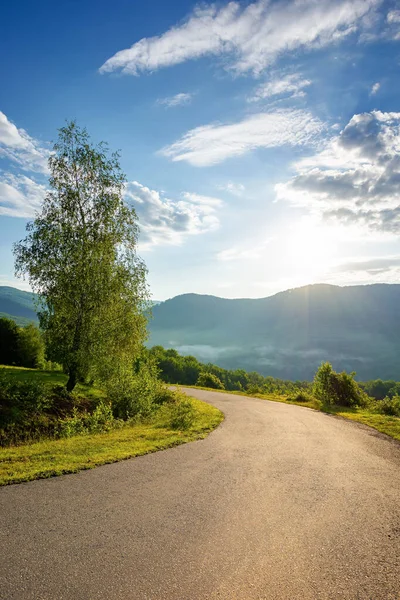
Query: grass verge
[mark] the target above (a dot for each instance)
(49, 458)
(51, 378)
(382, 423)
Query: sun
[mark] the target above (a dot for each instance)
(309, 248)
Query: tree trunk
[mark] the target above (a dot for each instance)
(72, 380)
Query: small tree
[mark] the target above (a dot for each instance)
(31, 347)
(337, 388)
(80, 257)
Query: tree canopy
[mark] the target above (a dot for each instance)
(80, 257)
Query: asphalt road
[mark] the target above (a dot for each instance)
(280, 502)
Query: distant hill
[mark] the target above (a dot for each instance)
(289, 334)
(17, 305)
(357, 328)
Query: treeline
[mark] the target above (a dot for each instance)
(187, 370)
(21, 346)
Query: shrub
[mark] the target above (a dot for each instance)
(210, 380)
(134, 389)
(389, 406)
(101, 419)
(164, 396)
(301, 397)
(182, 414)
(337, 388)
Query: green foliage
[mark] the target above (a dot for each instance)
(379, 389)
(31, 347)
(9, 346)
(337, 388)
(210, 380)
(389, 406)
(100, 420)
(135, 391)
(186, 370)
(21, 346)
(80, 256)
(301, 397)
(182, 414)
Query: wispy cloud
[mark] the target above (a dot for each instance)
(20, 196)
(356, 179)
(211, 144)
(236, 189)
(181, 99)
(287, 85)
(165, 221)
(250, 37)
(19, 147)
(375, 89)
(240, 253)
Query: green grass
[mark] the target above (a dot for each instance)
(49, 458)
(382, 423)
(50, 377)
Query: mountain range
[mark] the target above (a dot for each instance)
(356, 328)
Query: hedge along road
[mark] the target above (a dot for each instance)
(280, 502)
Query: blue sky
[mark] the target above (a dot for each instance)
(260, 139)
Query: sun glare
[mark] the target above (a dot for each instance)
(309, 249)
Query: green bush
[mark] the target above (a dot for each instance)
(389, 406)
(210, 380)
(134, 390)
(182, 414)
(337, 388)
(301, 397)
(101, 419)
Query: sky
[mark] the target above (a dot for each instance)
(260, 140)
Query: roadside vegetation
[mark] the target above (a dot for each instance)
(375, 403)
(178, 422)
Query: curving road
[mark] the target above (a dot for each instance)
(280, 502)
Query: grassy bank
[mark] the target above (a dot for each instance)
(49, 458)
(48, 377)
(384, 424)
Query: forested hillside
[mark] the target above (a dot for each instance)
(289, 334)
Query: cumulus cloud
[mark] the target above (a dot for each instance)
(289, 85)
(249, 37)
(166, 221)
(19, 147)
(212, 144)
(356, 179)
(181, 99)
(20, 196)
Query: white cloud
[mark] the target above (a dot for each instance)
(287, 85)
(393, 16)
(211, 144)
(20, 196)
(356, 179)
(18, 146)
(251, 37)
(236, 189)
(181, 99)
(375, 88)
(166, 221)
(242, 253)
